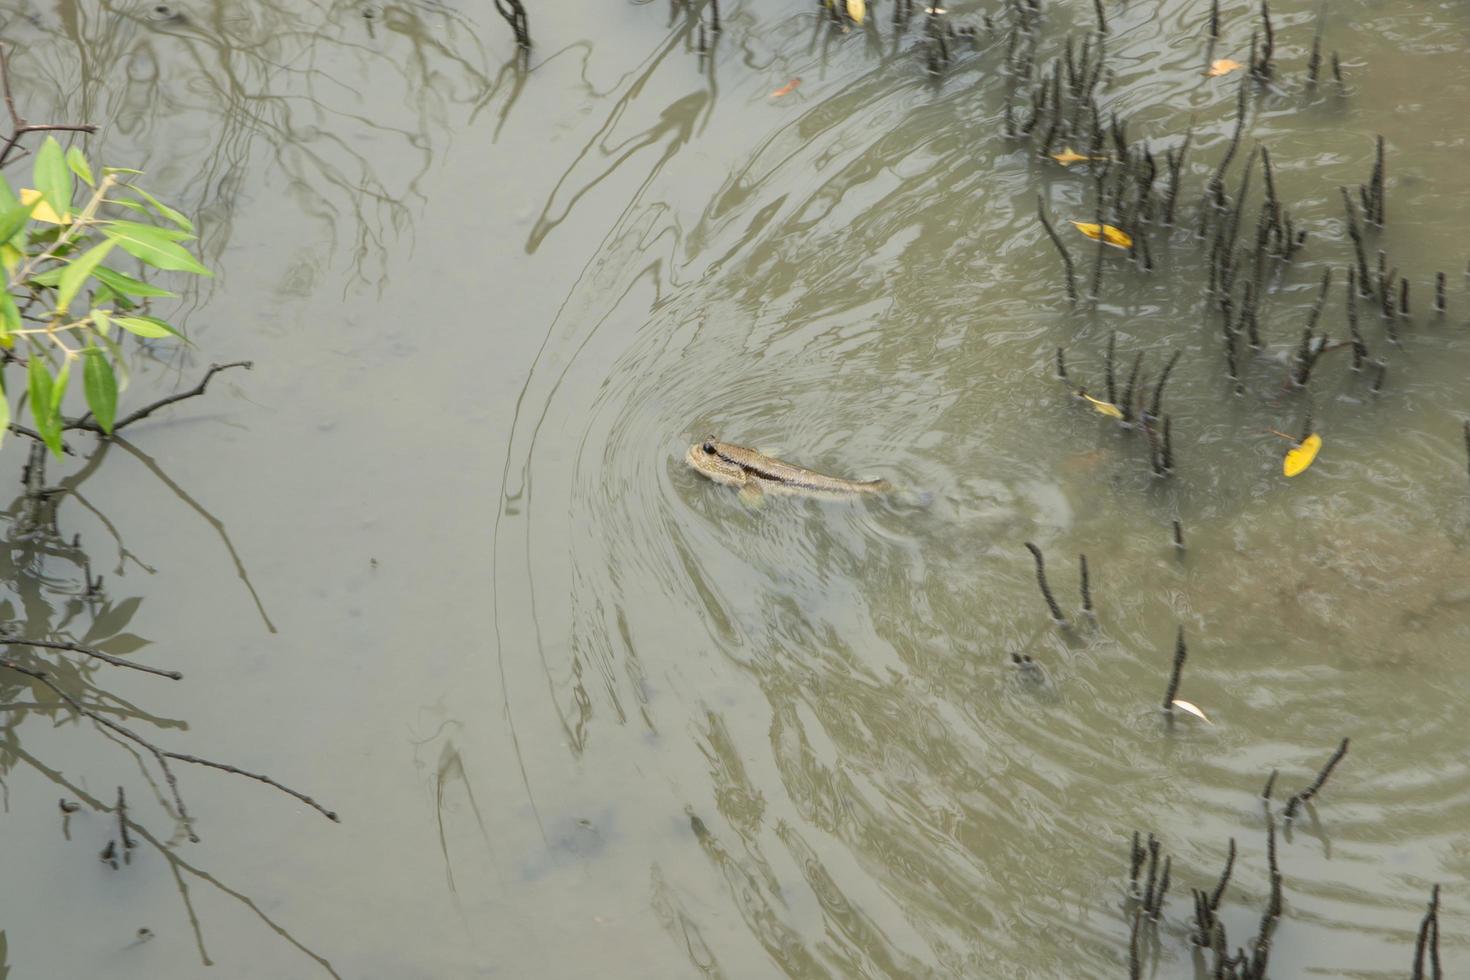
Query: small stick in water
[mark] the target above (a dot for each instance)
(1360, 349)
(1158, 398)
(1112, 381)
(1179, 528)
(1219, 891)
(1102, 20)
(1404, 296)
(1428, 937)
(1439, 292)
(1051, 601)
(1135, 864)
(1167, 456)
(1066, 258)
(1314, 63)
(1337, 70)
(1127, 404)
(1180, 652)
(1379, 377)
(1086, 587)
(1306, 795)
(1158, 907)
(1270, 785)
(1061, 365)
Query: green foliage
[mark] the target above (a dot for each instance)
(60, 303)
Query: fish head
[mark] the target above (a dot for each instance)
(705, 456)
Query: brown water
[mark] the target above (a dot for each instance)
(437, 561)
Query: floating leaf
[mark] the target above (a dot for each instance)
(786, 89)
(1115, 237)
(1223, 67)
(857, 10)
(1068, 157)
(43, 210)
(1192, 709)
(1103, 408)
(1300, 457)
(52, 177)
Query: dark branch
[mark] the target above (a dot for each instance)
(89, 651)
(87, 424)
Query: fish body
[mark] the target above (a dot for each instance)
(755, 473)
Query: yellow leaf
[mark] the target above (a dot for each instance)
(786, 89)
(11, 256)
(1104, 408)
(44, 211)
(1223, 67)
(857, 10)
(1068, 157)
(1192, 709)
(1300, 457)
(1113, 236)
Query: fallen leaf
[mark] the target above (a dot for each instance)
(1301, 456)
(857, 10)
(1104, 408)
(1068, 157)
(1192, 709)
(1223, 67)
(1113, 236)
(786, 89)
(44, 211)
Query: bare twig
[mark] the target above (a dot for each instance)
(19, 126)
(87, 424)
(91, 652)
(162, 756)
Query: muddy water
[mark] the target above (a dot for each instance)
(436, 559)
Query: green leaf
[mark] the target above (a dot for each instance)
(9, 314)
(150, 246)
(77, 161)
(7, 196)
(52, 177)
(165, 210)
(121, 170)
(77, 272)
(171, 234)
(145, 326)
(102, 320)
(13, 219)
(120, 283)
(58, 390)
(100, 385)
(41, 386)
(51, 277)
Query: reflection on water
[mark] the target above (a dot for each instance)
(690, 737)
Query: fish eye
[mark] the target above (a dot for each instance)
(709, 447)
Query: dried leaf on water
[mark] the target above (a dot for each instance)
(1115, 237)
(1300, 456)
(786, 89)
(1192, 709)
(1224, 66)
(1069, 156)
(1103, 408)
